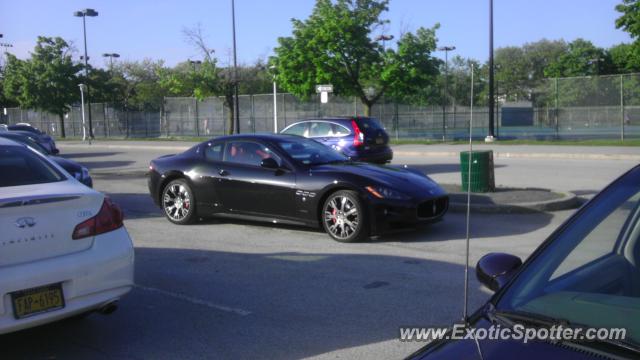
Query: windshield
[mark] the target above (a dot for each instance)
(309, 152)
(589, 274)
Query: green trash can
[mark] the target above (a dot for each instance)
(482, 177)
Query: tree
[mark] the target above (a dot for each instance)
(47, 81)
(625, 58)
(336, 45)
(629, 21)
(582, 58)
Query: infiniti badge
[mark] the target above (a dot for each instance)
(25, 222)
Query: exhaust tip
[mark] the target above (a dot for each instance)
(110, 308)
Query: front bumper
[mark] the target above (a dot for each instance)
(388, 215)
(90, 279)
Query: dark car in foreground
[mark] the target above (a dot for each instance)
(359, 138)
(293, 180)
(42, 138)
(76, 170)
(585, 275)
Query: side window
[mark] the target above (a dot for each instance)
(339, 130)
(213, 151)
(248, 153)
(297, 129)
(320, 129)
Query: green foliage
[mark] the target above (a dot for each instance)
(582, 58)
(629, 21)
(335, 45)
(47, 81)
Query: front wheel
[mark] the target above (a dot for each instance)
(343, 217)
(178, 202)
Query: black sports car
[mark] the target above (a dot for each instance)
(294, 180)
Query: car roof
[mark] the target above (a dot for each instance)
(257, 136)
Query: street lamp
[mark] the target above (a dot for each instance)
(83, 14)
(111, 56)
(83, 88)
(446, 50)
(275, 99)
(491, 137)
(596, 62)
(384, 39)
(236, 125)
(195, 63)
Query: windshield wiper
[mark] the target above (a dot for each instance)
(511, 317)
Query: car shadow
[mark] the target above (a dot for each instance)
(92, 165)
(285, 305)
(451, 227)
(81, 155)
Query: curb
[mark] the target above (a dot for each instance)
(566, 202)
(517, 155)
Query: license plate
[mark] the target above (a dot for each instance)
(379, 141)
(37, 300)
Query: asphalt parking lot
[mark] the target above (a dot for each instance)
(232, 289)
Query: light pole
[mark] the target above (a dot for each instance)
(83, 87)
(491, 137)
(195, 64)
(275, 99)
(596, 62)
(111, 56)
(83, 14)
(236, 125)
(384, 39)
(446, 50)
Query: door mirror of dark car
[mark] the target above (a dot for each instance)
(269, 163)
(495, 269)
(55, 152)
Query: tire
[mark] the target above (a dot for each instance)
(178, 202)
(343, 217)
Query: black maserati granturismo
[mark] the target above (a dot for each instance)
(292, 180)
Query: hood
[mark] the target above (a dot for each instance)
(502, 349)
(403, 180)
(69, 165)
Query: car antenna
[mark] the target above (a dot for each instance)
(465, 314)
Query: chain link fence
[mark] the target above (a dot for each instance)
(604, 107)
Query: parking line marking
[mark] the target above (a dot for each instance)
(195, 301)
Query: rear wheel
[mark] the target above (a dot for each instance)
(343, 217)
(178, 202)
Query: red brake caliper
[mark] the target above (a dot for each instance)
(334, 215)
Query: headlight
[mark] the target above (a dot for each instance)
(382, 192)
(82, 175)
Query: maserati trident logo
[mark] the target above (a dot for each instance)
(25, 222)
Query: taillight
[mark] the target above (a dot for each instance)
(109, 218)
(358, 138)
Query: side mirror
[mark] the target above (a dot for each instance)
(269, 163)
(55, 152)
(495, 269)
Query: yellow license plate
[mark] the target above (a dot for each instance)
(37, 300)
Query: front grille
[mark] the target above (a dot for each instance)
(433, 208)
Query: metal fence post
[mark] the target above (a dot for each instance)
(621, 108)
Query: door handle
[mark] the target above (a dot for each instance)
(223, 172)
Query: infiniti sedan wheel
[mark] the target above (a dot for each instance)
(178, 202)
(343, 217)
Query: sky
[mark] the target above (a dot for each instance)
(138, 29)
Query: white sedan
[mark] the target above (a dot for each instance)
(64, 250)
